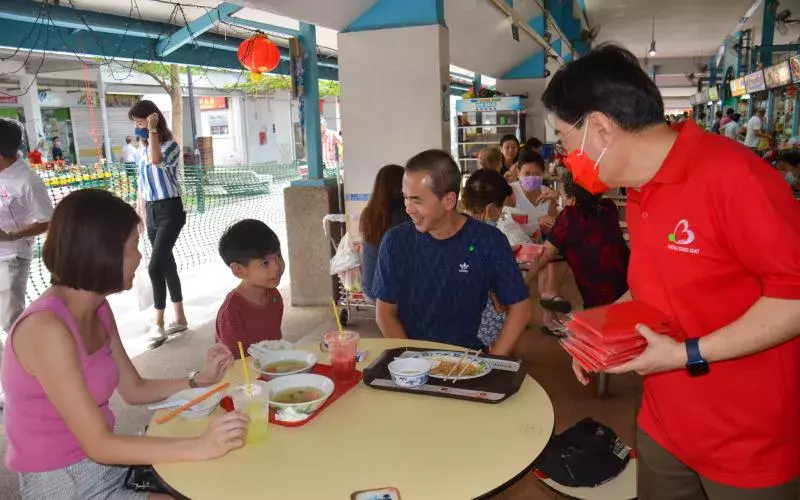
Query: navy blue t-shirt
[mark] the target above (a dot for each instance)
(441, 287)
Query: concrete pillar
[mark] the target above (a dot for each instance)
(395, 102)
(309, 249)
(101, 95)
(33, 112)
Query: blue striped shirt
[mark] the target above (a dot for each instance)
(160, 182)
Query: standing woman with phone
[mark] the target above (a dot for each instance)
(160, 200)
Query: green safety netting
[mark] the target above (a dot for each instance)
(213, 197)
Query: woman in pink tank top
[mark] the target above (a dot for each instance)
(64, 359)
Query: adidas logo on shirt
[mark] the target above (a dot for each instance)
(463, 268)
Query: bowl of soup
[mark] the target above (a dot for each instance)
(410, 372)
(303, 393)
(282, 363)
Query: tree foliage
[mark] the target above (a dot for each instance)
(269, 84)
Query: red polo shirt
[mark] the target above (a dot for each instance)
(713, 231)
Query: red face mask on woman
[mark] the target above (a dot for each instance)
(584, 169)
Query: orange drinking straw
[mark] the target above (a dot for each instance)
(174, 413)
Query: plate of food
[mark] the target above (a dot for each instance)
(446, 365)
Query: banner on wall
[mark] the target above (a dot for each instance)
(737, 87)
(489, 104)
(213, 103)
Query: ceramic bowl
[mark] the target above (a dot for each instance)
(266, 346)
(263, 360)
(318, 382)
(410, 372)
(201, 409)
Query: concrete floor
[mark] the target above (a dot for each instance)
(547, 363)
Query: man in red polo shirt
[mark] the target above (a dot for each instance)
(715, 244)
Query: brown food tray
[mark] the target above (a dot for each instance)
(498, 385)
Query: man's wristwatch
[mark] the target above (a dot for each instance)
(193, 379)
(695, 363)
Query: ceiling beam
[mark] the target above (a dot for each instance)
(168, 44)
(123, 48)
(259, 26)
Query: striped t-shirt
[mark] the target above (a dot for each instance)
(160, 182)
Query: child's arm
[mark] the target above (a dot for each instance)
(231, 330)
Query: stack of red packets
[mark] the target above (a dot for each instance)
(603, 337)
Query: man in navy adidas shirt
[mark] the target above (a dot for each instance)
(434, 273)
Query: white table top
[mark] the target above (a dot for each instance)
(426, 447)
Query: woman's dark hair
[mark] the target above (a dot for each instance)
(85, 245)
(736, 117)
(145, 108)
(609, 80)
(505, 139)
(10, 138)
(729, 111)
(482, 188)
(790, 156)
(385, 205)
(533, 144)
(530, 156)
(585, 201)
(248, 240)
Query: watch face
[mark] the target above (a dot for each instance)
(698, 368)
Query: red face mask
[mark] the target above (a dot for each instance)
(584, 169)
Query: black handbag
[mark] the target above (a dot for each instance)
(144, 478)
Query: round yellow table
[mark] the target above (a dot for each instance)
(426, 447)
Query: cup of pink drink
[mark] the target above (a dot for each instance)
(343, 348)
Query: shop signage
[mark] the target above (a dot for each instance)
(737, 87)
(489, 104)
(208, 103)
(778, 75)
(794, 64)
(713, 94)
(754, 82)
(8, 99)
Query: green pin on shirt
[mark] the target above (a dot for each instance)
(472, 248)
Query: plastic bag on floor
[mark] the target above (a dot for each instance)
(346, 256)
(142, 284)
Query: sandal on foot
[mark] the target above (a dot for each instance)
(556, 304)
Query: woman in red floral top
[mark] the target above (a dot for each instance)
(588, 235)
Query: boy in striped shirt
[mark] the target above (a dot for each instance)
(253, 311)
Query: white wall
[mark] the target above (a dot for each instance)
(535, 123)
(245, 120)
(271, 115)
(393, 105)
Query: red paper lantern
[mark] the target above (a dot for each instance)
(259, 55)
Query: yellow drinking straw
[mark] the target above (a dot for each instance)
(336, 315)
(246, 374)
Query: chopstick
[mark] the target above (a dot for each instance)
(477, 352)
(455, 368)
(174, 413)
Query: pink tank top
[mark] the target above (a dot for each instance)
(38, 438)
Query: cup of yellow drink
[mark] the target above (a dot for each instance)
(254, 404)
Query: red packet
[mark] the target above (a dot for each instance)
(528, 252)
(618, 321)
(520, 219)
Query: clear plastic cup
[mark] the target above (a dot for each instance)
(343, 350)
(256, 406)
